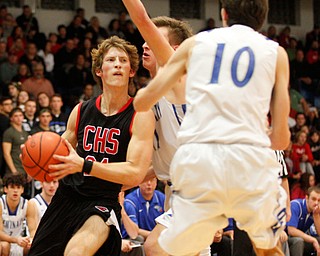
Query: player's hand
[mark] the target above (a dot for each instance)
(218, 236)
(126, 245)
(69, 164)
(283, 237)
(23, 241)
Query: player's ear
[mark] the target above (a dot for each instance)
(98, 72)
(132, 73)
(224, 17)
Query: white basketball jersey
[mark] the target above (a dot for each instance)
(41, 204)
(13, 221)
(230, 79)
(168, 120)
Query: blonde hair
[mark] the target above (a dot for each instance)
(116, 42)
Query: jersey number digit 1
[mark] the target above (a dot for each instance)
(234, 66)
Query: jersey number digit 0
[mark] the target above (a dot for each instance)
(234, 66)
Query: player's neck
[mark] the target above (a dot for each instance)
(12, 204)
(46, 198)
(111, 103)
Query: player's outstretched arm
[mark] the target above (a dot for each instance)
(166, 78)
(131, 172)
(280, 103)
(151, 34)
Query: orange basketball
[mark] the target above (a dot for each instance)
(38, 151)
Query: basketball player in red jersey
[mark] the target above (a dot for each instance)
(113, 147)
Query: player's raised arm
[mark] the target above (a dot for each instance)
(280, 103)
(151, 34)
(165, 79)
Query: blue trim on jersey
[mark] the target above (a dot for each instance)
(176, 114)
(184, 108)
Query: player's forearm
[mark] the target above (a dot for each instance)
(7, 238)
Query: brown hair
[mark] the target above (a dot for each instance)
(114, 41)
(178, 30)
(251, 13)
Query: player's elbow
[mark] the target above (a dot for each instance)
(280, 141)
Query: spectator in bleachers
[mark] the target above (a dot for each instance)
(62, 34)
(55, 46)
(3, 13)
(300, 187)
(3, 52)
(44, 121)
(13, 91)
(37, 83)
(23, 73)
(314, 142)
(312, 35)
(5, 109)
(43, 101)
(37, 37)
(284, 37)
(133, 35)
(87, 93)
(48, 58)
(75, 29)
(23, 97)
(8, 69)
(85, 49)
(59, 119)
(17, 32)
(301, 154)
(81, 13)
(13, 138)
(122, 18)
(98, 33)
(291, 50)
(17, 48)
(27, 20)
(114, 29)
(31, 56)
(272, 33)
(8, 24)
(30, 119)
(312, 55)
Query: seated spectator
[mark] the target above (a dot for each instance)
(143, 206)
(62, 34)
(305, 212)
(26, 20)
(313, 120)
(8, 24)
(43, 101)
(17, 48)
(13, 138)
(44, 121)
(210, 24)
(284, 37)
(23, 97)
(30, 119)
(314, 142)
(312, 35)
(14, 211)
(13, 91)
(312, 55)
(87, 93)
(59, 120)
(114, 29)
(298, 103)
(75, 29)
(299, 189)
(3, 52)
(291, 50)
(23, 73)
(48, 58)
(301, 154)
(98, 33)
(272, 33)
(301, 120)
(15, 34)
(55, 46)
(37, 83)
(31, 57)
(8, 69)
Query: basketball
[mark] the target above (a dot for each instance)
(37, 154)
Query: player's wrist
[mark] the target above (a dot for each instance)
(87, 167)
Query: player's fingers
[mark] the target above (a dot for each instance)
(69, 145)
(60, 158)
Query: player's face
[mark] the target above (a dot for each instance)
(313, 201)
(14, 192)
(147, 188)
(116, 69)
(148, 59)
(50, 188)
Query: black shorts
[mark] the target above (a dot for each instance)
(65, 216)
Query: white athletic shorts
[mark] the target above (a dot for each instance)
(214, 182)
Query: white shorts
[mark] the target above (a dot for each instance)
(214, 182)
